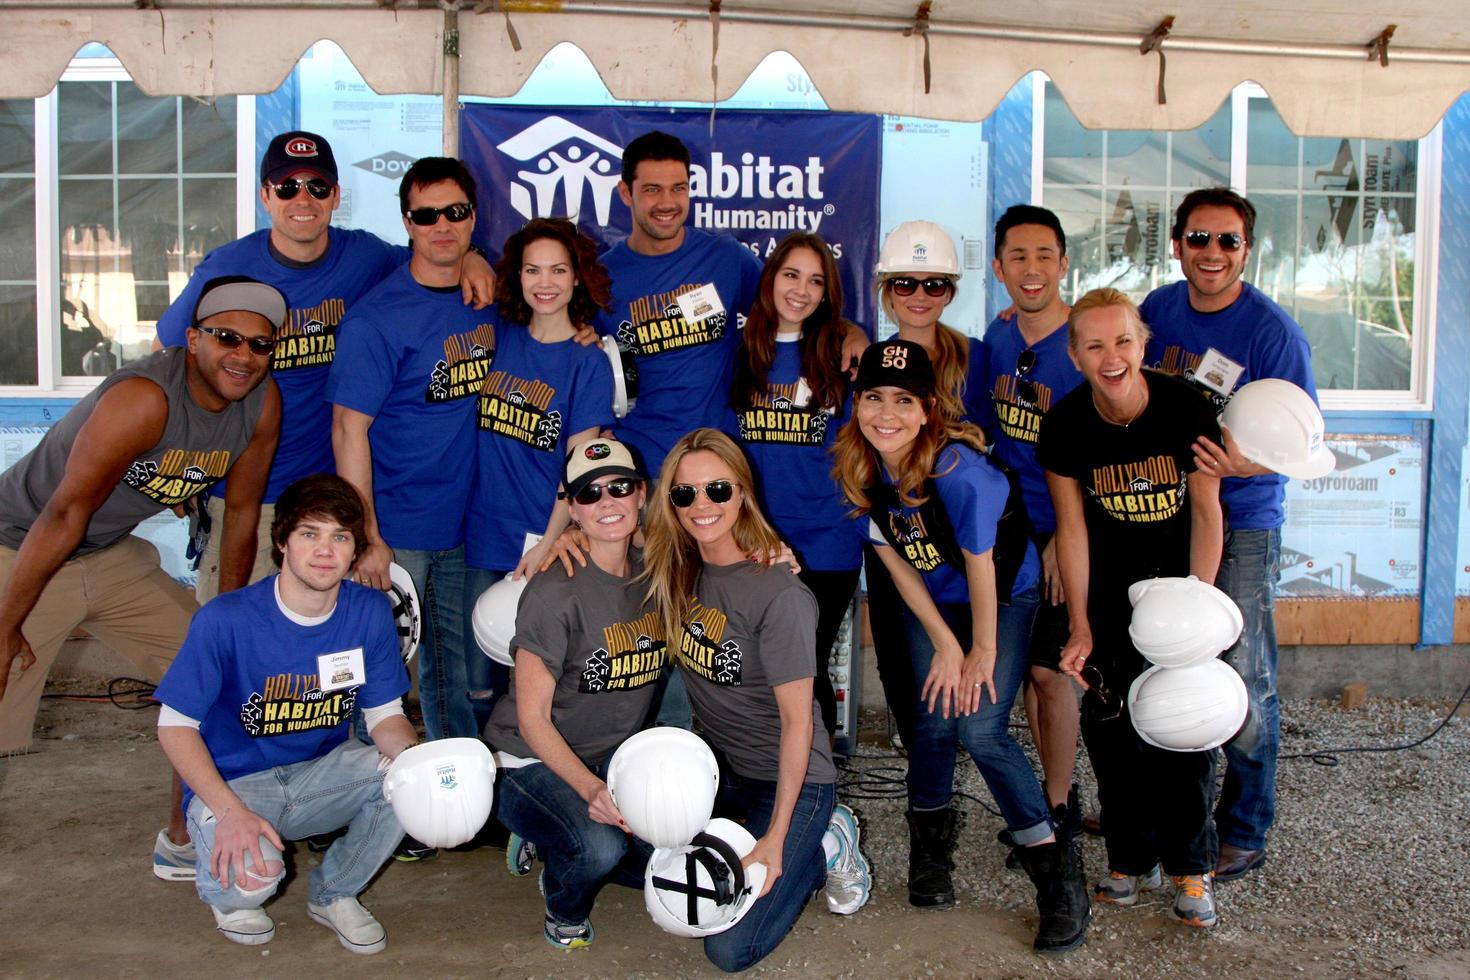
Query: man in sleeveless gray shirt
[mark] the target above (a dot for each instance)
(150, 436)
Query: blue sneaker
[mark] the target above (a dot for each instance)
(520, 855)
(174, 862)
(849, 880)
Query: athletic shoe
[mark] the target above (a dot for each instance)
(1121, 889)
(175, 862)
(248, 927)
(1237, 862)
(356, 929)
(410, 849)
(1194, 900)
(318, 843)
(849, 881)
(568, 937)
(520, 856)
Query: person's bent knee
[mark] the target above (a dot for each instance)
(252, 888)
(730, 957)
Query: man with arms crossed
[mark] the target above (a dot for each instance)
(1221, 333)
(150, 436)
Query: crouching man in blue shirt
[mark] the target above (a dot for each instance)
(257, 714)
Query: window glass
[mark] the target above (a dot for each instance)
(17, 242)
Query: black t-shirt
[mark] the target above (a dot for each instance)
(1133, 479)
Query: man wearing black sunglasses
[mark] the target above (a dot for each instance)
(323, 271)
(1028, 370)
(1220, 332)
(153, 435)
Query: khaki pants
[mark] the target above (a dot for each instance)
(207, 586)
(122, 597)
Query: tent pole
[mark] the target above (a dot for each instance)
(451, 79)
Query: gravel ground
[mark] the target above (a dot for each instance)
(1368, 869)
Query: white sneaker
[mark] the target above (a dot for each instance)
(248, 927)
(354, 925)
(849, 881)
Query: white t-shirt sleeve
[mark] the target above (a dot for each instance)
(381, 713)
(170, 718)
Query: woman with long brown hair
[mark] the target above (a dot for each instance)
(789, 399)
(936, 509)
(743, 635)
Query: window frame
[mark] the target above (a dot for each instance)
(50, 382)
(1418, 398)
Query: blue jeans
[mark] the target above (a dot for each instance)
(581, 855)
(341, 788)
(444, 685)
(803, 866)
(1249, 568)
(985, 733)
(488, 680)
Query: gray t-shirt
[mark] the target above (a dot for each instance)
(197, 448)
(605, 650)
(751, 628)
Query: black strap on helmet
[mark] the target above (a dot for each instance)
(720, 862)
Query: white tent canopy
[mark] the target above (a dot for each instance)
(1312, 56)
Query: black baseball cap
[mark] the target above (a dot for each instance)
(295, 151)
(897, 364)
(224, 294)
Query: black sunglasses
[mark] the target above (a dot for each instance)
(1229, 240)
(1024, 386)
(592, 492)
(905, 286)
(316, 187)
(229, 340)
(718, 491)
(1108, 706)
(430, 216)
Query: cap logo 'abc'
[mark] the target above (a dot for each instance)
(598, 450)
(301, 147)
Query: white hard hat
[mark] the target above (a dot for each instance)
(406, 612)
(1277, 425)
(664, 781)
(700, 889)
(442, 791)
(494, 619)
(919, 248)
(1181, 621)
(625, 376)
(1188, 709)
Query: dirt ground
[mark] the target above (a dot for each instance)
(78, 899)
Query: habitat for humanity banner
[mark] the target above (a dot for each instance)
(760, 176)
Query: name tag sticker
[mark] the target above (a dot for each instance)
(700, 304)
(342, 669)
(1218, 372)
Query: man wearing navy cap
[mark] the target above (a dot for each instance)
(323, 271)
(151, 436)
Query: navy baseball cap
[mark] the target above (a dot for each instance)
(296, 151)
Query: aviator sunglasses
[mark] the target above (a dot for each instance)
(1229, 240)
(229, 340)
(430, 216)
(592, 492)
(683, 495)
(316, 187)
(905, 286)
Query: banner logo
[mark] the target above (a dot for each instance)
(391, 165)
(562, 155)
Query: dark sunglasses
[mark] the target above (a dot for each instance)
(718, 491)
(1107, 706)
(1024, 386)
(1229, 240)
(229, 340)
(592, 492)
(430, 216)
(316, 187)
(905, 286)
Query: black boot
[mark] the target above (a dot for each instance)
(1061, 895)
(931, 841)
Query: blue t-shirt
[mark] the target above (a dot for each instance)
(789, 448)
(1259, 336)
(975, 398)
(250, 676)
(414, 357)
(684, 370)
(973, 494)
(535, 397)
(318, 295)
(1010, 419)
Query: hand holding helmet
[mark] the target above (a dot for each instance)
(442, 791)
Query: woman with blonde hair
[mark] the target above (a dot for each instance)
(968, 577)
(1132, 505)
(744, 639)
